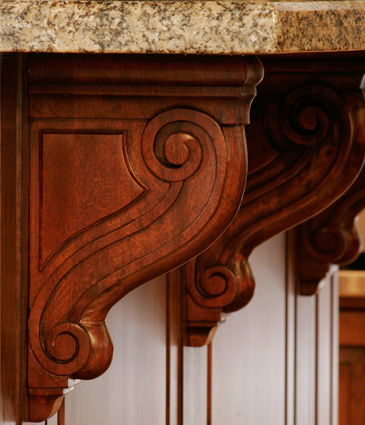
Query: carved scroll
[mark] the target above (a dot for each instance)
(305, 149)
(331, 237)
(136, 166)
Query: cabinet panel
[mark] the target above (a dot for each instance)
(249, 349)
(352, 386)
(305, 360)
(316, 356)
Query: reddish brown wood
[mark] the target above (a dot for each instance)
(14, 278)
(136, 166)
(352, 328)
(352, 361)
(305, 147)
(332, 236)
(352, 386)
(61, 414)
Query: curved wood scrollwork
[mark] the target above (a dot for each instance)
(131, 175)
(305, 149)
(330, 238)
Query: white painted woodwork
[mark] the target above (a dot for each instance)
(132, 391)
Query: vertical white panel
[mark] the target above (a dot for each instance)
(324, 366)
(188, 366)
(195, 386)
(133, 390)
(306, 360)
(249, 369)
(290, 329)
(335, 348)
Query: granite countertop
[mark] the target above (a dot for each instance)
(200, 27)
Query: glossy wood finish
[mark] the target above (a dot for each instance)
(352, 359)
(352, 328)
(352, 386)
(306, 147)
(136, 166)
(331, 237)
(294, 336)
(14, 237)
(352, 342)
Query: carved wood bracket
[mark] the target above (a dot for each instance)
(137, 164)
(330, 238)
(306, 148)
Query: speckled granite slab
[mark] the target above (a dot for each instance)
(209, 27)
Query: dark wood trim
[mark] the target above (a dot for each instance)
(332, 237)
(305, 148)
(14, 238)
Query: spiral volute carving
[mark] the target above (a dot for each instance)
(174, 141)
(68, 347)
(306, 116)
(330, 242)
(216, 287)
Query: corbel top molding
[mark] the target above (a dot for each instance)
(186, 27)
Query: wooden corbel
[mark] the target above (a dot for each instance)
(137, 164)
(305, 148)
(331, 237)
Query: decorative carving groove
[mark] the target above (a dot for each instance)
(305, 148)
(330, 238)
(131, 175)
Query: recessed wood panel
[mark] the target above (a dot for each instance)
(352, 328)
(84, 179)
(352, 386)
(13, 247)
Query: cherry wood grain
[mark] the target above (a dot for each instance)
(352, 386)
(352, 354)
(279, 345)
(352, 328)
(136, 166)
(306, 148)
(331, 237)
(14, 236)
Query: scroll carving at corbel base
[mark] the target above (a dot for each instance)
(305, 149)
(137, 164)
(331, 237)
